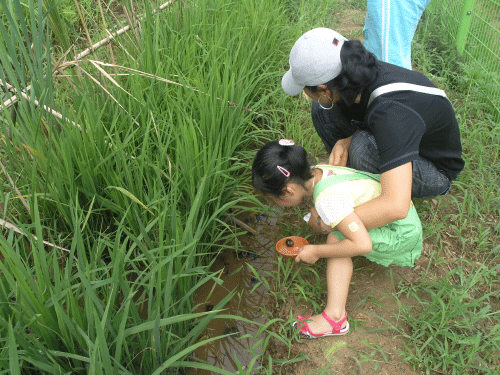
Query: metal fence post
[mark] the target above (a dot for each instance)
(463, 28)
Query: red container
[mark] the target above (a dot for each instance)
(289, 246)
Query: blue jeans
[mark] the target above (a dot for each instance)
(331, 126)
(427, 182)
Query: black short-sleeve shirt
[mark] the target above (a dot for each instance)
(406, 124)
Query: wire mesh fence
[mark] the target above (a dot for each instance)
(475, 27)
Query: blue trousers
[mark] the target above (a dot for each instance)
(389, 29)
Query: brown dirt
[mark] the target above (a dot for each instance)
(350, 23)
(369, 303)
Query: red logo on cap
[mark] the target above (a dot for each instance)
(335, 42)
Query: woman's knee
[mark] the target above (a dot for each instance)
(432, 187)
(428, 181)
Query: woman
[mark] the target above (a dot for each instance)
(377, 117)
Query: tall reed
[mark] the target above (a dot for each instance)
(134, 181)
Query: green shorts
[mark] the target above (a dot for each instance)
(399, 242)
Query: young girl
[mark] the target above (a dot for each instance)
(281, 171)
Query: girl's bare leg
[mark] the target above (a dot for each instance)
(338, 277)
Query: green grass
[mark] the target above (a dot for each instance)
(454, 324)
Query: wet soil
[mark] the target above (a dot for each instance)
(239, 269)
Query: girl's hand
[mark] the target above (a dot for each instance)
(307, 254)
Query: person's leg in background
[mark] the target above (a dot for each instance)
(389, 29)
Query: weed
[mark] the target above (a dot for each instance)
(453, 324)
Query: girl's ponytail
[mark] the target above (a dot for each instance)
(277, 163)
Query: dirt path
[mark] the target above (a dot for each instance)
(349, 23)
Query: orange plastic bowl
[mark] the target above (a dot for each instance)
(289, 246)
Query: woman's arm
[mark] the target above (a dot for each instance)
(394, 201)
(357, 242)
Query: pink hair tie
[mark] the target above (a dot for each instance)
(286, 142)
(283, 170)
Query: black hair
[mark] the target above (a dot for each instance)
(267, 177)
(358, 71)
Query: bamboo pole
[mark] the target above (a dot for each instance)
(8, 225)
(243, 225)
(37, 103)
(112, 36)
(88, 51)
(60, 116)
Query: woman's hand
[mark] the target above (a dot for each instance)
(340, 152)
(307, 254)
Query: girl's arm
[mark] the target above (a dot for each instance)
(394, 201)
(357, 242)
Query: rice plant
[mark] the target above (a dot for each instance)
(118, 177)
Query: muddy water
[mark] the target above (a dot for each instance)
(258, 250)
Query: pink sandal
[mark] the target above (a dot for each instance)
(336, 331)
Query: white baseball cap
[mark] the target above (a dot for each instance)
(314, 60)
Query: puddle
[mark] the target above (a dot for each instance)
(258, 251)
